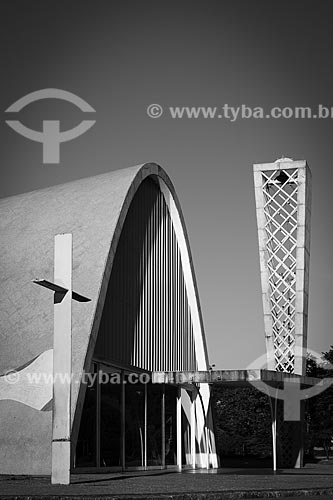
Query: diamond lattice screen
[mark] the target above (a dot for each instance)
(280, 209)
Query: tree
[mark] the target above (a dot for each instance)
(242, 418)
(319, 415)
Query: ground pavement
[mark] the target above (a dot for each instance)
(222, 484)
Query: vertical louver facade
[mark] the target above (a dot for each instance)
(146, 321)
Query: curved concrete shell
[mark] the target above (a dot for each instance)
(94, 210)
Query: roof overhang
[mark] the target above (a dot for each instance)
(232, 378)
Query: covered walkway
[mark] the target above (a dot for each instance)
(286, 393)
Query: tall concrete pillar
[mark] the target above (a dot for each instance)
(283, 199)
(290, 446)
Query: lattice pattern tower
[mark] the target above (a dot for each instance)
(283, 198)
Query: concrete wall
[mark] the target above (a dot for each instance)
(25, 439)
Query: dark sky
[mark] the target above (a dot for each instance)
(120, 56)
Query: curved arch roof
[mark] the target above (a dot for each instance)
(93, 209)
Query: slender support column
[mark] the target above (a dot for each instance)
(98, 419)
(123, 409)
(145, 426)
(193, 428)
(62, 361)
(179, 429)
(207, 445)
(300, 444)
(163, 426)
(273, 405)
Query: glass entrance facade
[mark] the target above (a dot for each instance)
(126, 423)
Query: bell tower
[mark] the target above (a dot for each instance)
(283, 199)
